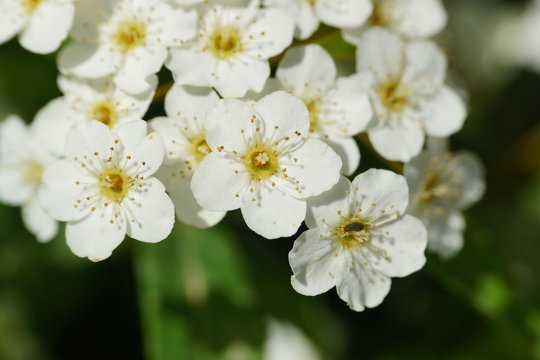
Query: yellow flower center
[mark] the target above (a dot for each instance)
(261, 162)
(394, 95)
(32, 172)
(199, 147)
(31, 5)
(105, 112)
(352, 233)
(314, 114)
(129, 35)
(225, 42)
(114, 184)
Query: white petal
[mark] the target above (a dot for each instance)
(316, 170)
(272, 32)
(307, 21)
(187, 209)
(330, 207)
(172, 138)
(38, 222)
(420, 18)
(48, 26)
(13, 20)
(14, 138)
(228, 122)
(381, 52)
(138, 66)
(216, 185)
(151, 212)
(286, 112)
(345, 13)
(271, 213)
(307, 71)
(188, 101)
(88, 61)
(381, 194)
(362, 286)
(446, 235)
(315, 267)
(401, 244)
(445, 114)
(59, 193)
(400, 142)
(426, 67)
(13, 188)
(191, 66)
(94, 236)
(88, 137)
(51, 125)
(471, 173)
(235, 77)
(348, 151)
(146, 151)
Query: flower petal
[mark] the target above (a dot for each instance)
(381, 52)
(315, 267)
(400, 247)
(348, 151)
(426, 67)
(38, 222)
(150, 215)
(445, 234)
(94, 236)
(345, 13)
(272, 213)
(329, 208)
(218, 183)
(400, 142)
(445, 114)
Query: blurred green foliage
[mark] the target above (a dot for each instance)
(207, 294)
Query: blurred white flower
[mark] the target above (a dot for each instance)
(284, 341)
(99, 99)
(128, 38)
(263, 162)
(184, 136)
(405, 82)
(408, 18)
(307, 14)
(232, 49)
(104, 188)
(42, 25)
(358, 239)
(22, 161)
(338, 108)
(441, 186)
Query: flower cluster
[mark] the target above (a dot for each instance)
(278, 147)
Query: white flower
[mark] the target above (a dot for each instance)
(104, 188)
(284, 341)
(184, 136)
(263, 163)
(408, 18)
(42, 25)
(442, 185)
(406, 84)
(128, 38)
(308, 13)
(99, 99)
(338, 108)
(22, 161)
(232, 49)
(358, 239)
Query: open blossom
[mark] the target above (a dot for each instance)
(232, 49)
(104, 188)
(442, 185)
(99, 100)
(184, 136)
(358, 239)
(309, 13)
(22, 161)
(263, 162)
(338, 108)
(127, 38)
(405, 82)
(408, 18)
(42, 25)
